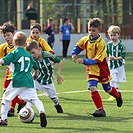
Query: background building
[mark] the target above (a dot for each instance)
(118, 12)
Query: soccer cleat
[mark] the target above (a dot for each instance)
(99, 113)
(10, 113)
(119, 100)
(111, 98)
(3, 122)
(43, 120)
(21, 106)
(59, 108)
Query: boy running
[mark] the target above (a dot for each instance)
(96, 65)
(8, 31)
(116, 52)
(45, 78)
(21, 64)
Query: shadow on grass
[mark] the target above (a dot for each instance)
(78, 127)
(69, 116)
(105, 102)
(60, 129)
(73, 100)
(98, 129)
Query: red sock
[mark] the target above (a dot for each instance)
(16, 100)
(97, 100)
(13, 102)
(114, 92)
(19, 101)
(11, 108)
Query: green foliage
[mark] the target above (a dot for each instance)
(77, 105)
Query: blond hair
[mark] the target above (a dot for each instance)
(20, 38)
(114, 29)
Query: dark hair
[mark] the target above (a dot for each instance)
(36, 25)
(7, 27)
(32, 45)
(50, 19)
(95, 22)
(65, 19)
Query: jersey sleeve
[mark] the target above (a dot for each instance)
(82, 43)
(8, 59)
(57, 59)
(52, 57)
(45, 46)
(2, 50)
(61, 29)
(76, 50)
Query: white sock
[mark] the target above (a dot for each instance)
(28, 104)
(55, 100)
(4, 109)
(39, 105)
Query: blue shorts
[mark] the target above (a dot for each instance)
(92, 83)
(106, 87)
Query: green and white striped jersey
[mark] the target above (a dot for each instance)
(21, 64)
(118, 50)
(46, 68)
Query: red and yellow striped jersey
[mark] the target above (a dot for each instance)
(5, 48)
(95, 49)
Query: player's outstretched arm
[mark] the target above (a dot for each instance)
(87, 61)
(75, 52)
(59, 77)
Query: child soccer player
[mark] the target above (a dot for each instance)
(35, 32)
(96, 65)
(116, 52)
(8, 30)
(50, 32)
(45, 77)
(21, 64)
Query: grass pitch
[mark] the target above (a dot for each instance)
(77, 105)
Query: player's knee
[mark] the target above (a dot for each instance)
(93, 88)
(106, 87)
(92, 85)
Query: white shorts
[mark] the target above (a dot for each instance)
(25, 93)
(49, 89)
(118, 74)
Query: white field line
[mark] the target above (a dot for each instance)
(70, 92)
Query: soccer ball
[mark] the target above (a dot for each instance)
(26, 115)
